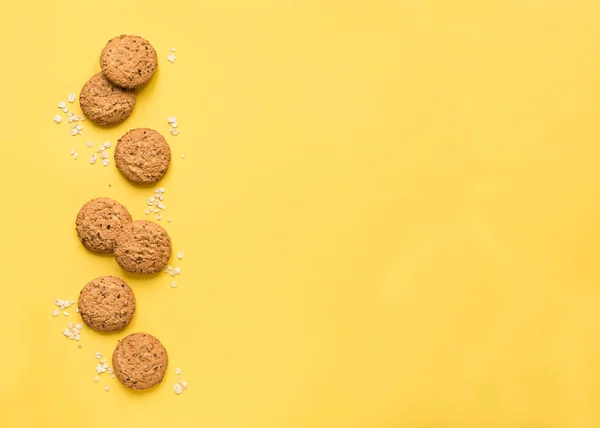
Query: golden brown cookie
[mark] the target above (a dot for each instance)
(140, 361)
(128, 61)
(99, 222)
(105, 103)
(142, 156)
(143, 247)
(106, 304)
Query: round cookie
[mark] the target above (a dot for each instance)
(105, 103)
(106, 304)
(143, 247)
(128, 61)
(98, 223)
(142, 156)
(140, 361)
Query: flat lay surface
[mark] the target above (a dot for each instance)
(387, 214)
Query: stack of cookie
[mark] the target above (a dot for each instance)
(108, 98)
(127, 62)
(104, 226)
(107, 304)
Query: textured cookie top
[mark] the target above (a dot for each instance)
(140, 361)
(105, 103)
(142, 156)
(143, 247)
(128, 61)
(106, 304)
(99, 222)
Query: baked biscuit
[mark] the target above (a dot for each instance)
(143, 247)
(104, 103)
(106, 304)
(142, 155)
(99, 222)
(128, 61)
(140, 361)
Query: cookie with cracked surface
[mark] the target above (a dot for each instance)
(104, 103)
(143, 247)
(128, 61)
(140, 361)
(98, 223)
(106, 304)
(142, 155)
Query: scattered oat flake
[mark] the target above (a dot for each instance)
(177, 271)
(93, 159)
(57, 118)
(168, 220)
(61, 105)
(105, 162)
(65, 313)
(74, 132)
(171, 57)
(107, 388)
(104, 155)
(158, 217)
(56, 312)
(174, 124)
(79, 326)
(173, 49)
(98, 355)
(80, 346)
(147, 212)
(65, 109)
(107, 144)
(96, 378)
(178, 388)
(169, 268)
(71, 97)
(160, 205)
(161, 190)
(70, 114)
(174, 284)
(75, 155)
(174, 131)
(180, 255)
(177, 371)
(71, 325)
(182, 156)
(79, 127)
(184, 384)
(172, 119)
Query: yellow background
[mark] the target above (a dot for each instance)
(389, 211)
